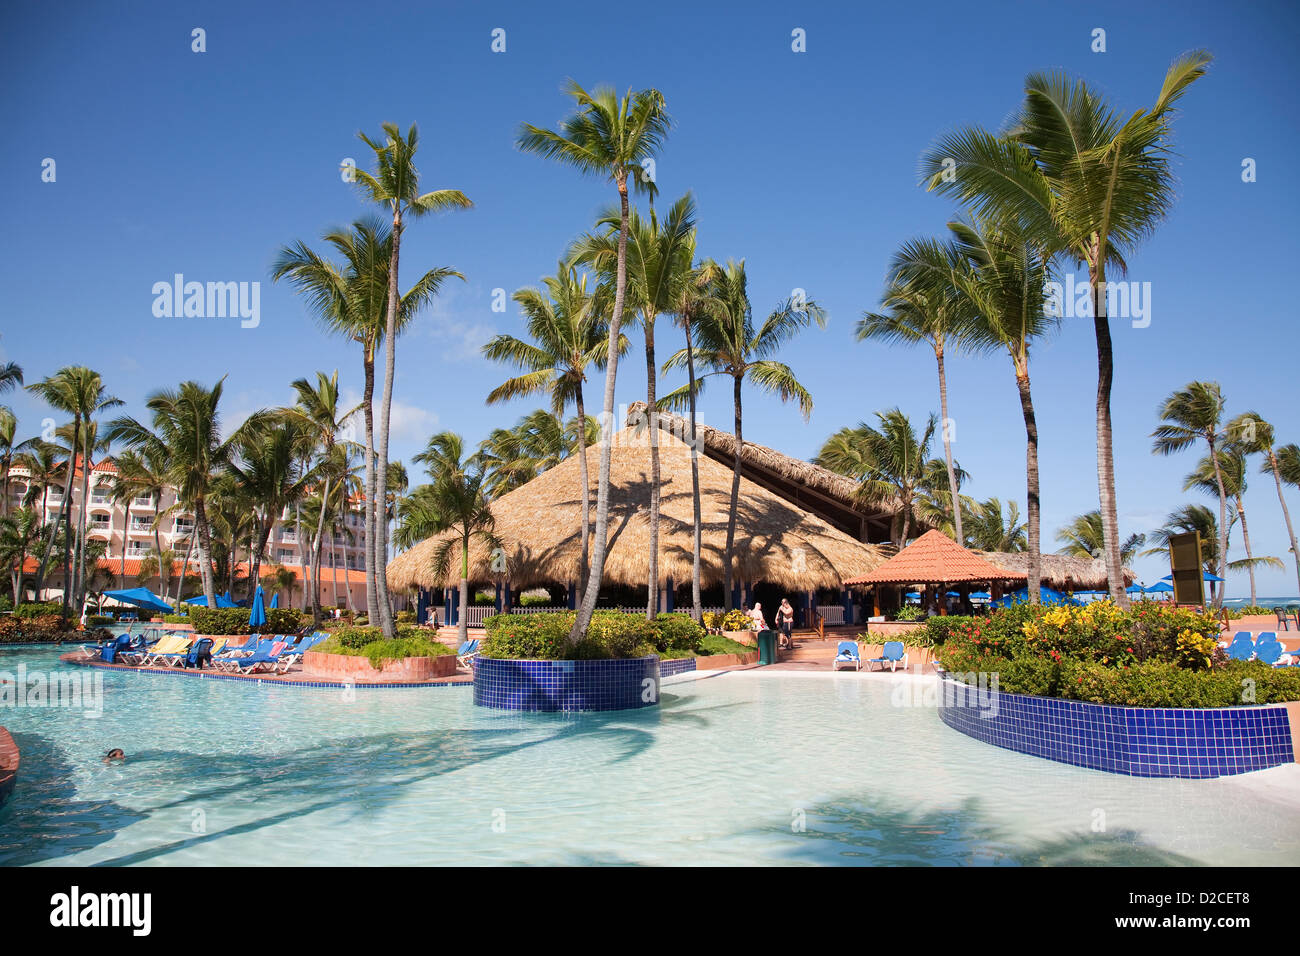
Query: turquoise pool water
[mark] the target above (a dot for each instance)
(734, 769)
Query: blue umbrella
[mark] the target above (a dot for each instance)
(1207, 576)
(979, 595)
(1160, 587)
(275, 599)
(1045, 595)
(1136, 588)
(140, 597)
(258, 616)
(913, 595)
(201, 601)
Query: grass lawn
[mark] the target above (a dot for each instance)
(712, 644)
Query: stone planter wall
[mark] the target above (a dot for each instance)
(343, 667)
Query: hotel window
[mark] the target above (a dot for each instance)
(136, 549)
(184, 526)
(99, 522)
(284, 556)
(142, 501)
(141, 524)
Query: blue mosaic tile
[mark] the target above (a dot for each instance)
(566, 685)
(1141, 742)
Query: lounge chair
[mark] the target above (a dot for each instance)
(847, 653)
(202, 650)
(1268, 648)
(466, 653)
(173, 657)
(1242, 646)
(265, 658)
(170, 644)
(890, 654)
(292, 655)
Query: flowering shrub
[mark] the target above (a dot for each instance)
(736, 620)
(1148, 656)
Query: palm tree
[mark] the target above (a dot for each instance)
(512, 457)
(1003, 282)
(892, 464)
(928, 308)
(1190, 414)
(608, 137)
(1084, 537)
(139, 474)
(658, 261)
(568, 327)
(90, 445)
(1253, 436)
(1085, 185)
(395, 186)
(8, 446)
(78, 391)
(730, 346)
(991, 530)
(268, 467)
(11, 376)
(19, 532)
(186, 433)
(351, 299)
(454, 501)
(1232, 471)
(1200, 519)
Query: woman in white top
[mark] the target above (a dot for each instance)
(757, 615)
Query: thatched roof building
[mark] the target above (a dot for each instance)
(1059, 571)
(830, 496)
(539, 525)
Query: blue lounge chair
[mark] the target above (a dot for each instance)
(847, 653)
(890, 654)
(466, 653)
(292, 655)
(266, 657)
(1242, 647)
(200, 653)
(1268, 648)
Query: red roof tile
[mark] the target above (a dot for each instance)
(934, 558)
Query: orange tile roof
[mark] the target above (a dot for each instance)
(349, 576)
(934, 558)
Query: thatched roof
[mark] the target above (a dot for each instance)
(934, 558)
(539, 525)
(830, 496)
(1059, 571)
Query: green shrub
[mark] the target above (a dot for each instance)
(405, 617)
(39, 609)
(909, 612)
(677, 632)
(6, 603)
(176, 619)
(99, 620)
(362, 642)
(938, 629)
(234, 620)
(736, 620)
(612, 634)
(46, 627)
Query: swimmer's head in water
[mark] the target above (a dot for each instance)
(114, 754)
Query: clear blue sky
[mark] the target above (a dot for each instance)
(804, 164)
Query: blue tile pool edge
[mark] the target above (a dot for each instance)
(1136, 741)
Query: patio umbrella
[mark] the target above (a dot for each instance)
(201, 601)
(257, 618)
(1046, 595)
(979, 595)
(1207, 576)
(275, 599)
(1135, 588)
(140, 597)
(1160, 587)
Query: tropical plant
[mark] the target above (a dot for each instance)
(731, 347)
(8, 448)
(926, 308)
(395, 186)
(141, 473)
(1086, 185)
(351, 299)
(1232, 471)
(1084, 537)
(1251, 435)
(990, 529)
(892, 463)
(567, 326)
(607, 137)
(1185, 520)
(658, 261)
(186, 433)
(20, 531)
(1191, 414)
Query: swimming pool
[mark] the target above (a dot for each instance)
(736, 768)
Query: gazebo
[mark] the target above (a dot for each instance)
(935, 561)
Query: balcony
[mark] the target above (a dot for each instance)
(145, 501)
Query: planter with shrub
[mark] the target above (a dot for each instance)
(364, 654)
(234, 620)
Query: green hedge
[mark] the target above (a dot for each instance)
(1149, 656)
(39, 609)
(612, 634)
(369, 642)
(234, 620)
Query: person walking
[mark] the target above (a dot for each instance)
(785, 623)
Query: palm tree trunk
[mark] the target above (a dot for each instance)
(652, 583)
(1109, 506)
(316, 550)
(462, 624)
(380, 504)
(126, 530)
(81, 523)
(601, 544)
(1277, 477)
(334, 574)
(727, 571)
(205, 551)
(1032, 509)
(164, 573)
(66, 515)
(697, 607)
(947, 444)
(1245, 542)
(368, 518)
(185, 566)
(1223, 524)
(586, 490)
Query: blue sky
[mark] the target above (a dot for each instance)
(802, 163)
